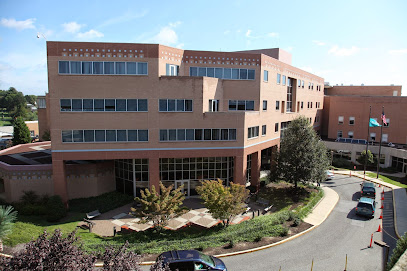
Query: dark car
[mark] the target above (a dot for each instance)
(191, 260)
(368, 190)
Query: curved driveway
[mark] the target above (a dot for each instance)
(343, 233)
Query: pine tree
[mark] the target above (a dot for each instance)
(21, 133)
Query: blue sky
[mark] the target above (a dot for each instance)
(350, 42)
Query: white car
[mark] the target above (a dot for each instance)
(329, 175)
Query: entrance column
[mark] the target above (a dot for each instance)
(240, 167)
(59, 179)
(256, 162)
(154, 173)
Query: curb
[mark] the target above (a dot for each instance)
(373, 180)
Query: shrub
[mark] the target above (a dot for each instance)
(31, 209)
(103, 203)
(297, 221)
(284, 231)
(56, 209)
(342, 163)
(398, 251)
(29, 197)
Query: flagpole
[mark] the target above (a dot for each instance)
(367, 142)
(380, 146)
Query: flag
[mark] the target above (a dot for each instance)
(373, 123)
(384, 119)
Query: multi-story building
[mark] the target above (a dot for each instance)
(155, 113)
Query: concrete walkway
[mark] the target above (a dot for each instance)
(399, 197)
(323, 208)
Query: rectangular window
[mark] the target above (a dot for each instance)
(250, 105)
(385, 137)
(253, 132)
(302, 105)
(76, 67)
(181, 134)
(201, 71)
(120, 68)
(131, 67)
(190, 134)
(171, 105)
(87, 67)
(302, 83)
(215, 134)
(373, 136)
(131, 104)
(232, 134)
(142, 135)
(110, 105)
(219, 72)
(66, 105)
(111, 135)
(163, 135)
(162, 105)
(266, 76)
(99, 104)
(351, 120)
(235, 73)
(120, 104)
(339, 134)
(193, 71)
(198, 134)
(121, 135)
(232, 105)
(284, 80)
(213, 105)
(340, 120)
(277, 105)
(387, 123)
(350, 134)
(67, 136)
(97, 67)
(76, 104)
(276, 127)
(207, 134)
(89, 135)
(243, 74)
(88, 105)
(278, 78)
(251, 74)
(298, 83)
(142, 105)
(132, 135)
(264, 105)
(100, 135)
(210, 72)
(172, 135)
(108, 67)
(171, 70)
(227, 73)
(188, 105)
(63, 67)
(180, 105)
(142, 68)
(263, 130)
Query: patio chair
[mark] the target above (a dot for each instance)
(93, 214)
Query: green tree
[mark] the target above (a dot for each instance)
(31, 99)
(362, 158)
(302, 156)
(7, 218)
(160, 207)
(223, 202)
(21, 133)
(15, 103)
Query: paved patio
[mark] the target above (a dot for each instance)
(198, 215)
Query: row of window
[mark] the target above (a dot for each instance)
(352, 121)
(241, 105)
(100, 105)
(372, 136)
(197, 134)
(104, 135)
(223, 73)
(99, 67)
(175, 105)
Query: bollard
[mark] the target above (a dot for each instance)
(346, 262)
(312, 265)
(379, 229)
(114, 231)
(371, 240)
(258, 212)
(253, 213)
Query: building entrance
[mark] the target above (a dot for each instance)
(186, 189)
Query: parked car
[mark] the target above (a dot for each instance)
(366, 207)
(368, 190)
(329, 175)
(191, 260)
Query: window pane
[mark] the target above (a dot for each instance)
(89, 135)
(109, 67)
(97, 67)
(180, 134)
(75, 67)
(110, 105)
(278, 78)
(232, 105)
(110, 135)
(142, 68)
(251, 74)
(266, 76)
(121, 105)
(86, 67)
(171, 105)
(142, 135)
(215, 134)
(142, 105)
(210, 72)
(188, 105)
(100, 136)
(63, 66)
(120, 68)
(66, 105)
(67, 136)
(224, 134)
(207, 134)
(249, 105)
(77, 135)
(235, 73)
(132, 135)
(241, 105)
(198, 134)
(218, 72)
(121, 135)
(131, 67)
(190, 134)
(227, 73)
(180, 105)
(162, 105)
(172, 134)
(193, 71)
(243, 74)
(163, 135)
(76, 104)
(131, 104)
(99, 104)
(201, 71)
(232, 134)
(87, 104)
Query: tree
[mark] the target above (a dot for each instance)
(302, 156)
(160, 207)
(362, 158)
(223, 202)
(15, 103)
(120, 259)
(7, 218)
(21, 133)
(31, 99)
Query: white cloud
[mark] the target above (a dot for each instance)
(226, 32)
(72, 27)
(19, 25)
(319, 43)
(268, 35)
(307, 68)
(398, 52)
(90, 34)
(336, 50)
(167, 35)
(173, 25)
(123, 18)
(273, 34)
(248, 33)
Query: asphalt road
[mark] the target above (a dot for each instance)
(343, 234)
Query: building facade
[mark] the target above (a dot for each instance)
(159, 113)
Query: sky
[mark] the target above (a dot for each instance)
(345, 42)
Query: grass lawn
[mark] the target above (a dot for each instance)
(151, 241)
(5, 122)
(389, 179)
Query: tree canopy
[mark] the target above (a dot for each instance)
(302, 156)
(21, 133)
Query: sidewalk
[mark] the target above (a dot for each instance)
(399, 197)
(324, 207)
